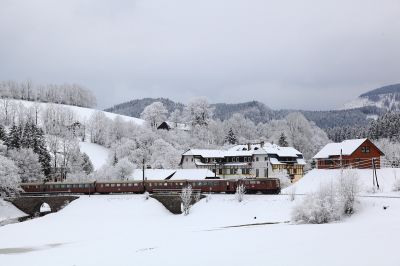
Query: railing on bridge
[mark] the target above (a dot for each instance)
(173, 191)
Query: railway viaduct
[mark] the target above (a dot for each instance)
(31, 204)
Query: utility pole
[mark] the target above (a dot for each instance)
(143, 175)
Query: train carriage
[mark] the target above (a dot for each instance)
(70, 187)
(33, 187)
(262, 185)
(105, 187)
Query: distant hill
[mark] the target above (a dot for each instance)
(387, 98)
(258, 112)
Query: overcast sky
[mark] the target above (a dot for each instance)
(288, 54)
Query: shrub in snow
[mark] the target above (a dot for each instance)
(283, 177)
(146, 195)
(240, 191)
(320, 207)
(348, 188)
(9, 177)
(186, 197)
(330, 202)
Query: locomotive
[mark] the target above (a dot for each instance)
(252, 186)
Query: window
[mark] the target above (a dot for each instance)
(130, 184)
(187, 159)
(220, 171)
(112, 185)
(245, 159)
(365, 149)
(257, 172)
(265, 172)
(192, 159)
(118, 185)
(257, 159)
(243, 171)
(107, 185)
(265, 158)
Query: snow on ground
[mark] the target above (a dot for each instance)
(128, 230)
(98, 154)
(83, 114)
(314, 179)
(9, 211)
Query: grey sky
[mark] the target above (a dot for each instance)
(288, 54)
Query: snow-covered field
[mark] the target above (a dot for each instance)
(129, 230)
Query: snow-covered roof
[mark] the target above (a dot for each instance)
(268, 148)
(217, 153)
(174, 174)
(333, 149)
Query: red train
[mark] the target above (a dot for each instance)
(258, 185)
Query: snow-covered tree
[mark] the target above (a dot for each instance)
(283, 177)
(123, 169)
(240, 191)
(186, 198)
(9, 176)
(199, 112)
(99, 126)
(154, 114)
(28, 163)
(106, 172)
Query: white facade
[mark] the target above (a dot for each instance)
(241, 161)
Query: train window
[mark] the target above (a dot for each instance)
(81, 185)
(118, 185)
(135, 184)
(107, 185)
(246, 182)
(112, 185)
(165, 184)
(199, 183)
(181, 184)
(258, 182)
(252, 182)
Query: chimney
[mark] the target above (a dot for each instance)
(262, 144)
(248, 146)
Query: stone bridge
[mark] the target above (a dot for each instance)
(173, 202)
(31, 204)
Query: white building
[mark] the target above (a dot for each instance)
(250, 160)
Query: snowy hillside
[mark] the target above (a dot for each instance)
(387, 98)
(98, 154)
(82, 114)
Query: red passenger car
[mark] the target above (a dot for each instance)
(104, 187)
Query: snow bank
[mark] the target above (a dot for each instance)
(9, 211)
(313, 180)
(121, 229)
(98, 154)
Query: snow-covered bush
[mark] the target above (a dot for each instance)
(106, 172)
(9, 176)
(320, 207)
(240, 191)
(330, 202)
(347, 188)
(146, 195)
(283, 177)
(186, 197)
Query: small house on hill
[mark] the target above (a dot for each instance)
(172, 125)
(354, 153)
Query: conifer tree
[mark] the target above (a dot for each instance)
(282, 140)
(87, 165)
(231, 137)
(3, 135)
(13, 140)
